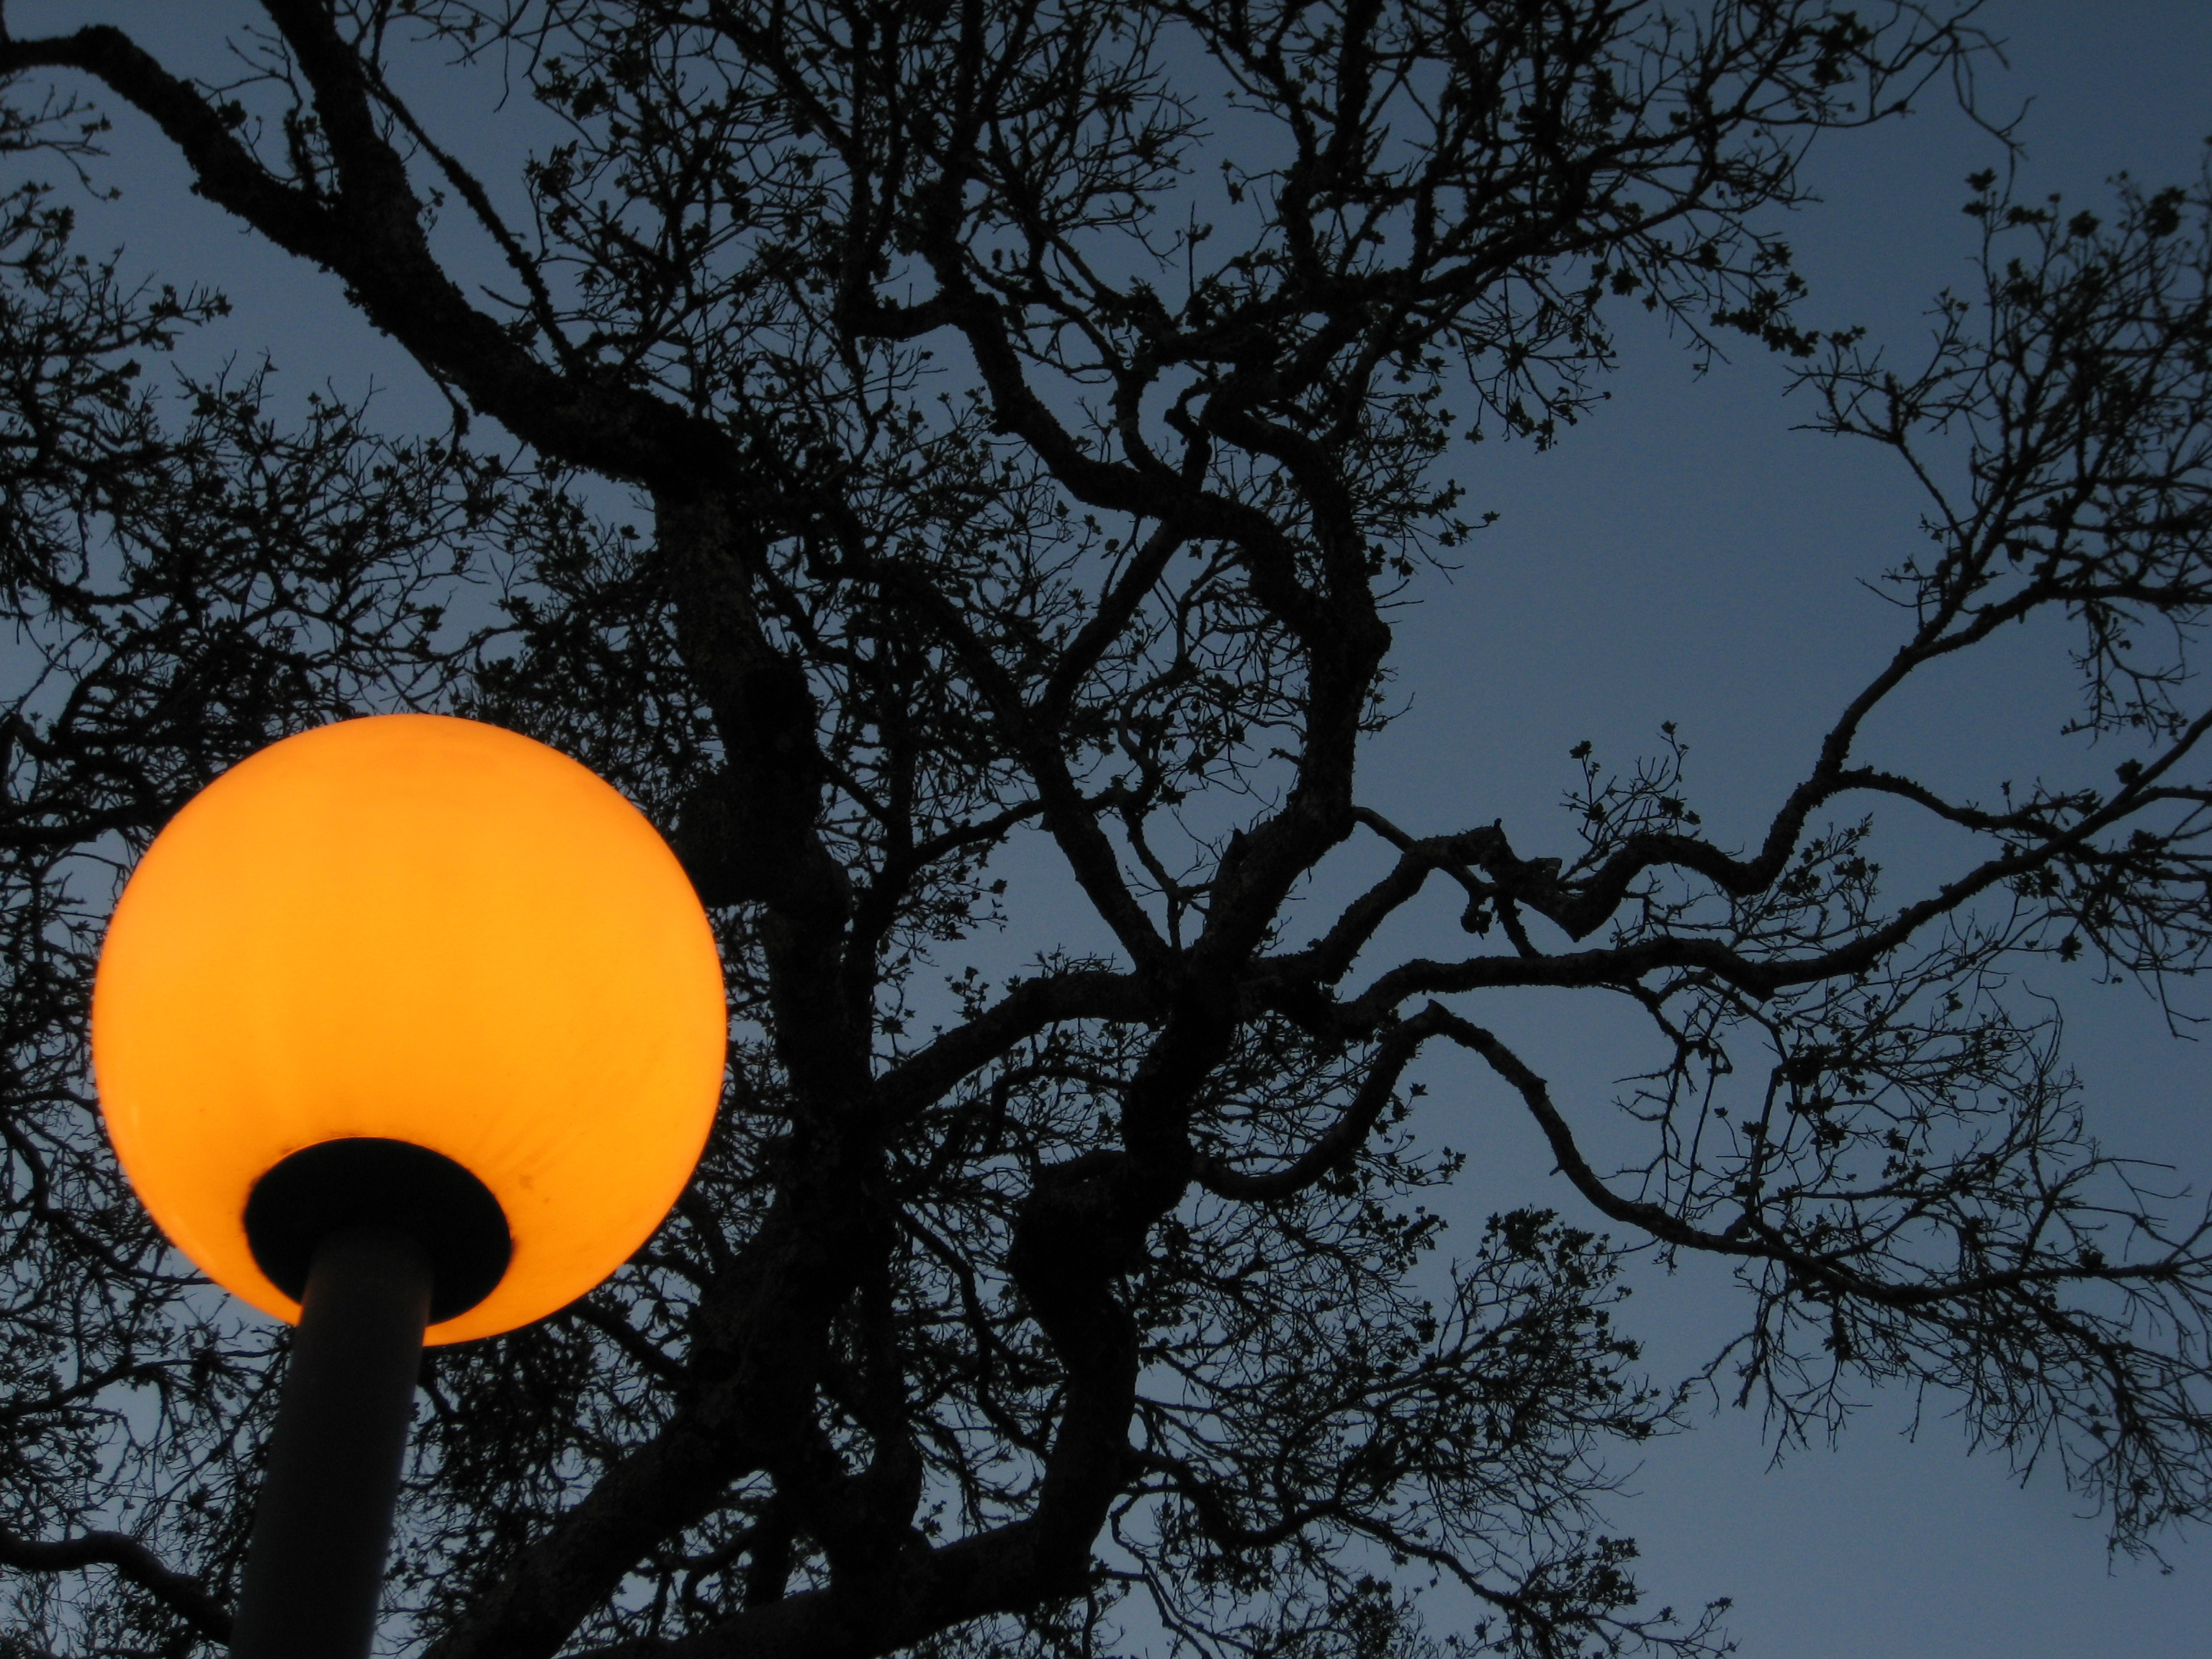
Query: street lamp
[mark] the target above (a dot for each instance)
(407, 1030)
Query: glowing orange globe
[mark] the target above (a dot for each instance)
(420, 930)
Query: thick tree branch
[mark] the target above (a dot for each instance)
(371, 235)
(929, 1073)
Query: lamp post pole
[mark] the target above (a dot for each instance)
(377, 1239)
(315, 1564)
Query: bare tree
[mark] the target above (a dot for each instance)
(1020, 456)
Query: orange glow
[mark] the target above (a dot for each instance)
(425, 929)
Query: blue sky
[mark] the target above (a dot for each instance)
(1687, 556)
(1683, 556)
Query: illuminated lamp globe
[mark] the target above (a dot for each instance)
(412, 970)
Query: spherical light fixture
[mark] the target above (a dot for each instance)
(419, 970)
(407, 1029)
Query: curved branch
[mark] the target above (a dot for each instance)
(1340, 1142)
(135, 1563)
(1757, 1241)
(371, 234)
(1028, 1008)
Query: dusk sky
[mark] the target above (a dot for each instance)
(1683, 556)
(1687, 556)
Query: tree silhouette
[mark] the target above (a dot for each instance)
(1032, 414)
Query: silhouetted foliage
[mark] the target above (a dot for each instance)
(935, 427)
